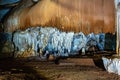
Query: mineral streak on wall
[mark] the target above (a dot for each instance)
(68, 15)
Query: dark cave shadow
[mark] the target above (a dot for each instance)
(17, 66)
(98, 59)
(99, 63)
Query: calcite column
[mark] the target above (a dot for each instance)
(118, 29)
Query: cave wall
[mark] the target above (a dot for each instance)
(88, 16)
(68, 15)
(4, 11)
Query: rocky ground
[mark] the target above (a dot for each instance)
(83, 68)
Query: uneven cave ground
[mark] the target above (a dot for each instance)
(72, 68)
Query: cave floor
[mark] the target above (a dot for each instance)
(84, 68)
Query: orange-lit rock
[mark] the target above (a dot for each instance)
(68, 15)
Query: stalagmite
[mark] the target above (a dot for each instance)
(112, 65)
